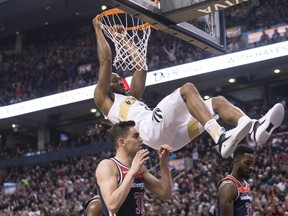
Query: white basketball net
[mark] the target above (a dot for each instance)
(130, 45)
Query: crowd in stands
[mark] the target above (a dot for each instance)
(23, 148)
(57, 61)
(49, 63)
(257, 14)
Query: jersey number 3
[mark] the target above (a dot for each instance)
(139, 202)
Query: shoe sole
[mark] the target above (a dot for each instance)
(269, 123)
(240, 133)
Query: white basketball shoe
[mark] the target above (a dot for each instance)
(264, 127)
(229, 140)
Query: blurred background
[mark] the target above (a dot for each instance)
(48, 157)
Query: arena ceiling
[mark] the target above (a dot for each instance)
(18, 15)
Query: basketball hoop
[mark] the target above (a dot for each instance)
(130, 41)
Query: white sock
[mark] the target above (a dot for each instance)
(214, 129)
(242, 119)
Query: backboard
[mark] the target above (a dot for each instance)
(199, 22)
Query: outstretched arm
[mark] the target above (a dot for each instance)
(137, 85)
(227, 192)
(138, 81)
(105, 70)
(163, 187)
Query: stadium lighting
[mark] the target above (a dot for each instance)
(93, 110)
(231, 80)
(104, 7)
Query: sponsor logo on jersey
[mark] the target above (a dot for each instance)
(138, 185)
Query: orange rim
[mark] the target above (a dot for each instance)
(118, 11)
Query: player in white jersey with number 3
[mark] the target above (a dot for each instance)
(180, 116)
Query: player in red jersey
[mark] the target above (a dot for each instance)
(235, 198)
(121, 180)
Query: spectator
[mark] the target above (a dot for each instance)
(276, 36)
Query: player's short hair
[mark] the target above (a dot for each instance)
(243, 149)
(120, 130)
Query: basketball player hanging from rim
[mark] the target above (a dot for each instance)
(180, 116)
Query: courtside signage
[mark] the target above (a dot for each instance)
(154, 78)
(47, 102)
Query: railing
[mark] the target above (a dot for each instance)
(56, 155)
